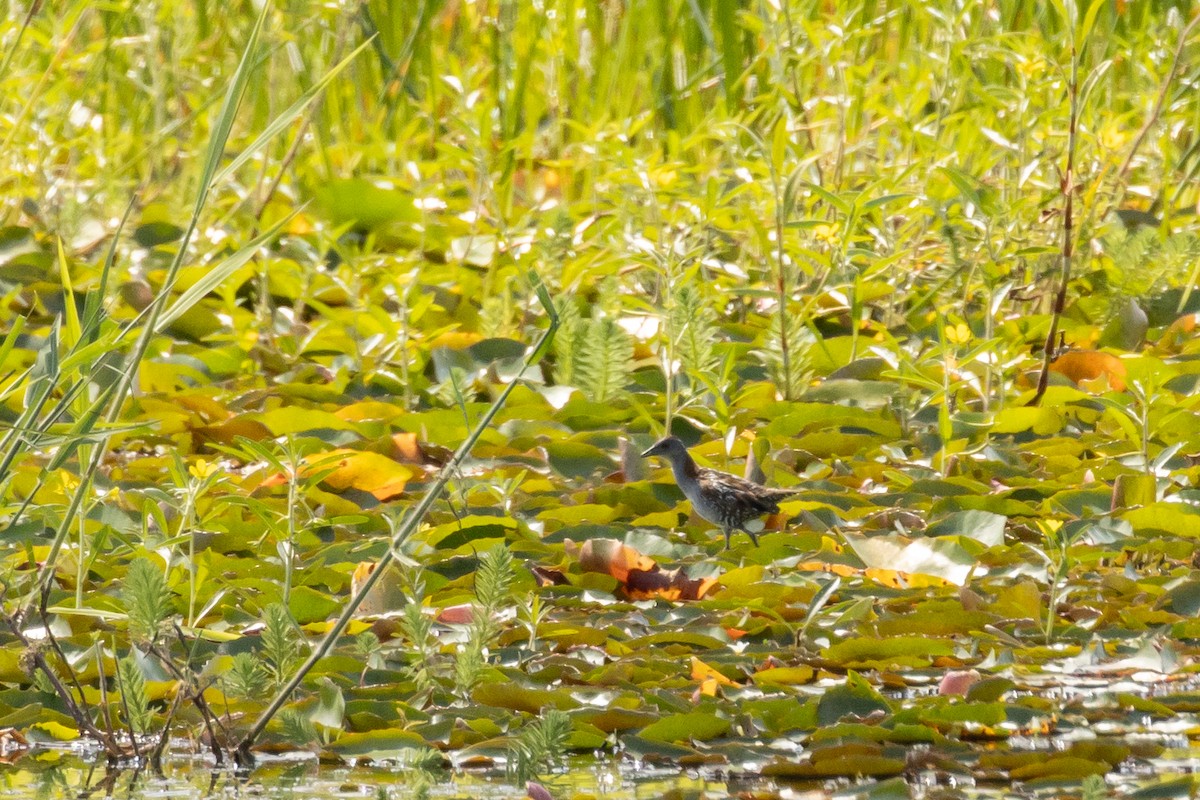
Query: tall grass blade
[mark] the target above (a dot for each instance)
(217, 275)
(121, 388)
(288, 115)
(411, 521)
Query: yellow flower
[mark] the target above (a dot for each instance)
(202, 469)
(828, 234)
(1113, 136)
(1030, 68)
(958, 334)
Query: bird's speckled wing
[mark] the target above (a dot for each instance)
(731, 491)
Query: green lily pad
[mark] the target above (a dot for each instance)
(696, 726)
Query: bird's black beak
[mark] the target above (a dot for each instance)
(649, 452)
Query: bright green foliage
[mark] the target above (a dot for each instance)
(262, 273)
(297, 728)
(493, 592)
(787, 355)
(604, 363)
(538, 745)
(494, 580)
(246, 676)
(417, 627)
(691, 324)
(570, 343)
(132, 684)
(147, 599)
(280, 647)
(594, 354)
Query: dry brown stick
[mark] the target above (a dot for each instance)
(194, 692)
(1068, 245)
(207, 714)
(137, 750)
(165, 736)
(81, 711)
(1159, 101)
(81, 719)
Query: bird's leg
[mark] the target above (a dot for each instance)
(753, 536)
(727, 533)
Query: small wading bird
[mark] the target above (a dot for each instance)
(719, 497)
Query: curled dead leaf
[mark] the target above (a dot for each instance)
(667, 585)
(457, 615)
(547, 576)
(957, 682)
(612, 558)
(1092, 370)
(640, 576)
(1178, 332)
(344, 469)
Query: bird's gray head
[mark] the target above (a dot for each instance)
(670, 447)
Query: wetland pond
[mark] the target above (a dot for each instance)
(1129, 737)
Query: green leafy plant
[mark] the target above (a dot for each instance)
(297, 728)
(246, 676)
(593, 353)
(493, 592)
(147, 599)
(134, 702)
(368, 647)
(194, 483)
(280, 644)
(302, 468)
(538, 745)
(494, 580)
(786, 352)
(417, 629)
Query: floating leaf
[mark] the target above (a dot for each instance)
(872, 652)
(692, 727)
(855, 698)
(364, 471)
(331, 706)
(1091, 369)
(519, 698)
(942, 558)
(365, 204)
(379, 745)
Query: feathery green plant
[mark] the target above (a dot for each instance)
(791, 374)
(132, 685)
(691, 324)
(147, 599)
(496, 313)
(537, 745)
(605, 361)
(246, 676)
(687, 349)
(1094, 787)
(494, 579)
(296, 727)
(493, 591)
(417, 630)
(592, 353)
(469, 662)
(369, 649)
(280, 644)
(1143, 261)
(573, 330)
